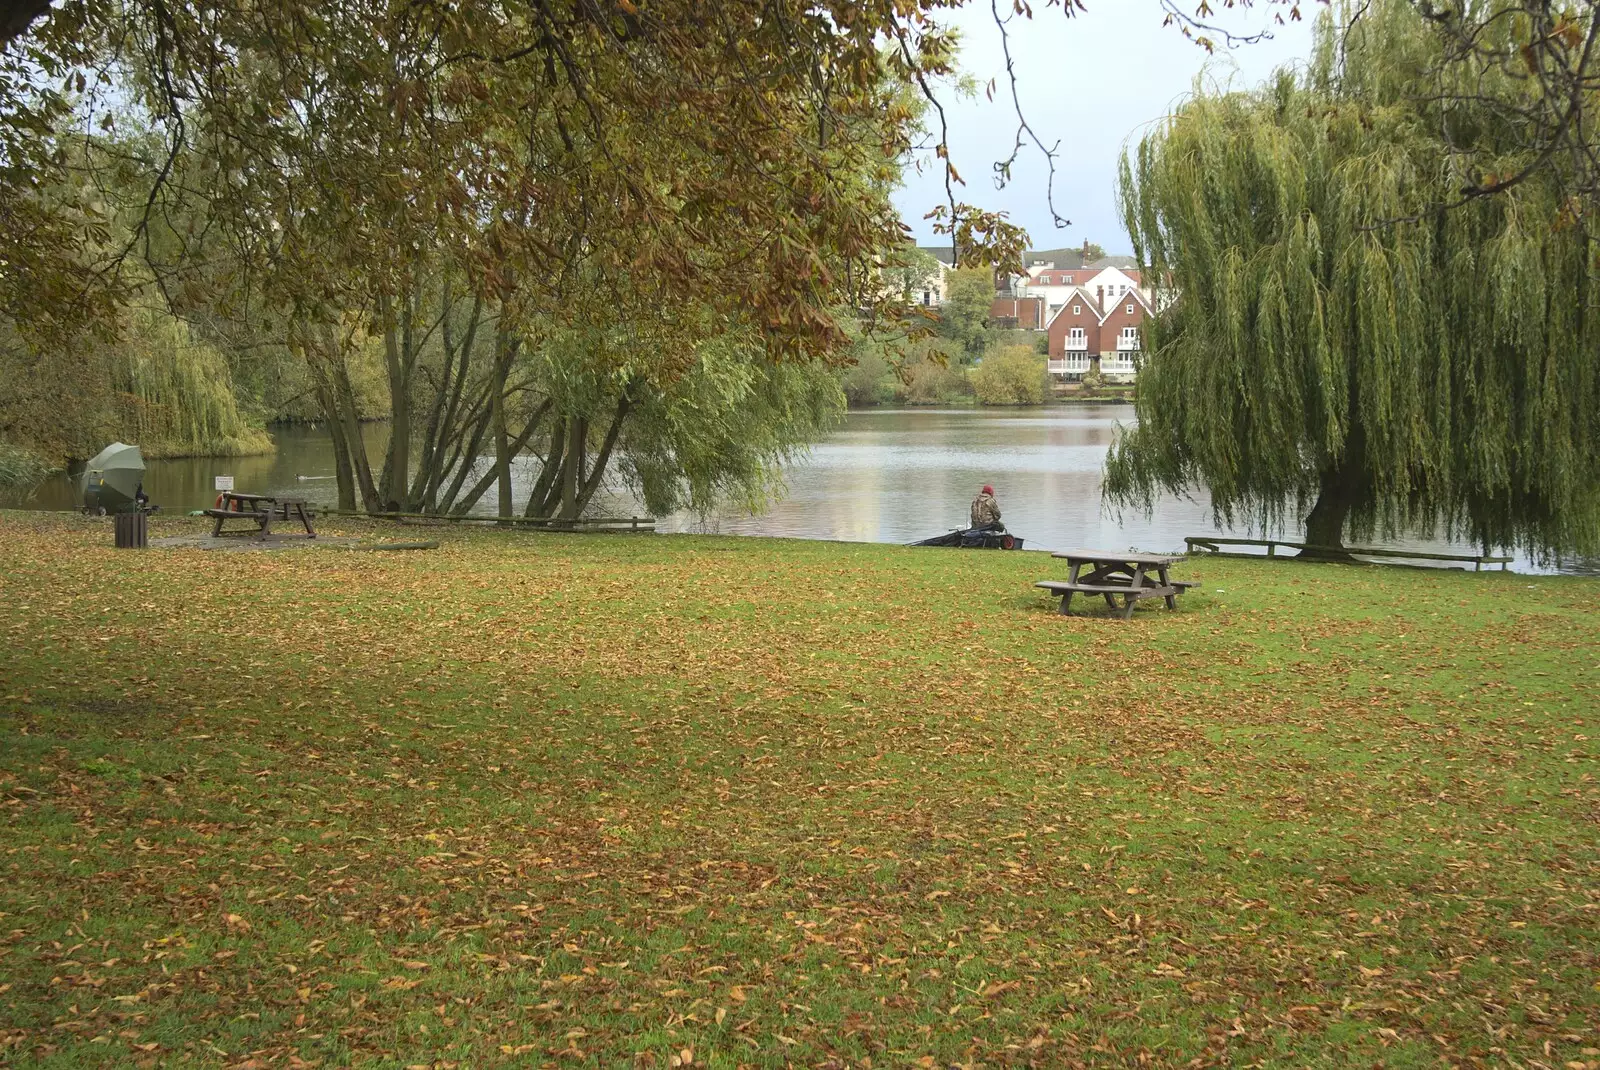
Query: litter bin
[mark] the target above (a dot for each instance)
(132, 530)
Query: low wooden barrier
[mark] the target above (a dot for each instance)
(1213, 544)
(589, 525)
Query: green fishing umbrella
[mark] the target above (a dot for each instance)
(112, 480)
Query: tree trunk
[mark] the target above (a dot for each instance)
(346, 396)
(399, 359)
(465, 504)
(442, 431)
(537, 501)
(502, 444)
(323, 353)
(342, 474)
(1343, 487)
(572, 468)
(1325, 522)
(603, 458)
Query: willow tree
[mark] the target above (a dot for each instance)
(1349, 341)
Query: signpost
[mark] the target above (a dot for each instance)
(224, 483)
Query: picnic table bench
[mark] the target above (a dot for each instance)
(260, 510)
(1127, 575)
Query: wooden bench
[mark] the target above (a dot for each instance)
(1213, 544)
(1062, 587)
(261, 518)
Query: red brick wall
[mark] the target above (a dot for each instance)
(1065, 321)
(1024, 311)
(1119, 318)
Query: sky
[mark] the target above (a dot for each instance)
(1094, 82)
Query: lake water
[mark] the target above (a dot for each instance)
(884, 476)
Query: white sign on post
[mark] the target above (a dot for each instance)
(224, 483)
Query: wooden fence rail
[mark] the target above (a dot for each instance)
(1214, 543)
(586, 525)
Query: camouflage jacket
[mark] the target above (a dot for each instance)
(985, 511)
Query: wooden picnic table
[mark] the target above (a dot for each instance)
(1127, 575)
(260, 510)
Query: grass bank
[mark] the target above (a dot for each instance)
(534, 799)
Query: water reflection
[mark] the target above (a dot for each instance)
(902, 475)
(885, 476)
(189, 482)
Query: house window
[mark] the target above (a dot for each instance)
(1130, 310)
(1077, 310)
(1067, 279)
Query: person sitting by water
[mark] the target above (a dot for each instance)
(985, 510)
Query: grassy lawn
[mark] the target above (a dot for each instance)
(645, 801)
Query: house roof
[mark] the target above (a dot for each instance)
(1067, 259)
(1083, 276)
(1081, 292)
(1058, 276)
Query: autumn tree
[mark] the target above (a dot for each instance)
(1351, 345)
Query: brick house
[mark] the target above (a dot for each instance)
(1074, 335)
(1098, 331)
(1120, 334)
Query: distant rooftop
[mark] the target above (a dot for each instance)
(1061, 258)
(1073, 258)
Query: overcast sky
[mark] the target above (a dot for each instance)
(1094, 82)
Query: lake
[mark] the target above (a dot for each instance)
(890, 475)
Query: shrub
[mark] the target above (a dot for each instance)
(20, 471)
(930, 383)
(1014, 375)
(869, 381)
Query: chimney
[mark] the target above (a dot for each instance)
(1100, 300)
